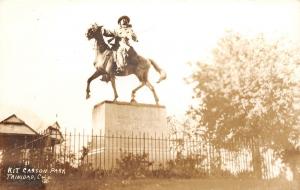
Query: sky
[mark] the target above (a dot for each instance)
(45, 57)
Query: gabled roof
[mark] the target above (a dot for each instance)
(14, 125)
(55, 132)
(31, 118)
(13, 119)
(55, 126)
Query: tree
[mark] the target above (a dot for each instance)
(248, 92)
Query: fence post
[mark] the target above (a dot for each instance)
(104, 154)
(155, 146)
(96, 150)
(100, 151)
(92, 149)
(80, 159)
(144, 143)
(162, 150)
(65, 149)
(151, 149)
(112, 149)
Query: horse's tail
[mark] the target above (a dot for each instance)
(163, 74)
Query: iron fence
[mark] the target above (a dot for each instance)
(105, 151)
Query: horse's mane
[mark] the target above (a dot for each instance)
(102, 43)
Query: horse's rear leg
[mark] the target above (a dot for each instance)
(113, 84)
(149, 85)
(134, 91)
(90, 79)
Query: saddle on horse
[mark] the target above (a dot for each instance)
(129, 58)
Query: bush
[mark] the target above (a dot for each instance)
(189, 166)
(133, 165)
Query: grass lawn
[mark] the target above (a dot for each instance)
(165, 184)
(173, 184)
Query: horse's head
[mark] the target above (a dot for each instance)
(93, 31)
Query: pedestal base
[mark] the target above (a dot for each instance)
(121, 128)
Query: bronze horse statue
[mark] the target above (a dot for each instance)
(106, 67)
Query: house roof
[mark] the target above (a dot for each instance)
(55, 126)
(56, 134)
(14, 125)
(32, 119)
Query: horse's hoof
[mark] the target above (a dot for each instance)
(88, 96)
(133, 101)
(115, 99)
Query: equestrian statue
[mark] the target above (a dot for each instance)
(120, 59)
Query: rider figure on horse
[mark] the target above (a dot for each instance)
(120, 41)
(104, 63)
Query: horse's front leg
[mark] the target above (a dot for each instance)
(113, 84)
(134, 91)
(112, 77)
(90, 79)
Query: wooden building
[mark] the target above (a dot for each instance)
(18, 139)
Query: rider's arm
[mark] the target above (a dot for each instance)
(133, 35)
(108, 33)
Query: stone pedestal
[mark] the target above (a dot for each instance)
(121, 127)
(125, 118)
